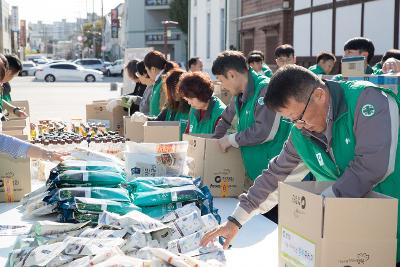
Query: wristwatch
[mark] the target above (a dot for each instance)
(234, 221)
(15, 109)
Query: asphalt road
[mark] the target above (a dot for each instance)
(61, 100)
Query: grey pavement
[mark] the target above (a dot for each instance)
(61, 100)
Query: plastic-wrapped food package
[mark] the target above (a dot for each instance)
(101, 257)
(18, 256)
(102, 233)
(81, 262)
(186, 225)
(51, 228)
(89, 178)
(60, 260)
(180, 212)
(42, 255)
(136, 241)
(161, 196)
(90, 155)
(209, 221)
(39, 193)
(151, 160)
(54, 238)
(39, 208)
(10, 230)
(135, 220)
(81, 165)
(89, 246)
(186, 244)
(145, 184)
(83, 204)
(63, 194)
(161, 210)
(125, 261)
(74, 216)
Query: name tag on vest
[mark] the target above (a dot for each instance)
(319, 158)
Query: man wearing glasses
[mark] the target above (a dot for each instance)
(345, 132)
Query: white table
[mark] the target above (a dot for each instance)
(255, 245)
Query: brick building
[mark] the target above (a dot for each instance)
(265, 24)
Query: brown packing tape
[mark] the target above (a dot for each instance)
(9, 189)
(224, 188)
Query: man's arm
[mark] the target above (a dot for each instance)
(226, 120)
(262, 196)
(11, 108)
(376, 126)
(264, 128)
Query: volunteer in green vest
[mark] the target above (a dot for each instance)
(344, 132)
(261, 131)
(359, 46)
(267, 71)
(255, 62)
(325, 63)
(157, 65)
(176, 108)
(392, 53)
(205, 109)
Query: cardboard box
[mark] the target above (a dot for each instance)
(353, 66)
(16, 131)
(161, 131)
(134, 131)
(15, 122)
(335, 232)
(96, 112)
(15, 178)
(222, 172)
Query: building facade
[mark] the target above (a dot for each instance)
(322, 25)
(265, 24)
(213, 29)
(143, 28)
(113, 47)
(5, 29)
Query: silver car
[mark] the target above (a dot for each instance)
(28, 68)
(90, 63)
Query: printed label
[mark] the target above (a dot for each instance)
(9, 189)
(297, 250)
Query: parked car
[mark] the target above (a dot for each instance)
(28, 68)
(90, 63)
(105, 65)
(116, 68)
(65, 71)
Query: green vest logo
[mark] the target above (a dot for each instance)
(260, 101)
(320, 159)
(368, 110)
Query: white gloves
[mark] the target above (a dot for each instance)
(113, 103)
(138, 117)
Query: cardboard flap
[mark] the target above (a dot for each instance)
(312, 187)
(360, 218)
(300, 210)
(161, 123)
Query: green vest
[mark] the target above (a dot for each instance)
(377, 69)
(256, 158)
(317, 69)
(343, 146)
(207, 124)
(155, 98)
(267, 71)
(178, 116)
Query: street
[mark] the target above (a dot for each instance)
(61, 100)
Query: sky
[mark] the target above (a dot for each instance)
(55, 10)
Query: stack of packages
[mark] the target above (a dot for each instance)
(133, 239)
(139, 217)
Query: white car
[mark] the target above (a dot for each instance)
(28, 68)
(65, 71)
(116, 68)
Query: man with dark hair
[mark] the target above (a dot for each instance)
(325, 63)
(331, 120)
(14, 67)
(255, 62)
(284, 55)
(360, 46)
(260, 130)
(267, 71)
(195, 64)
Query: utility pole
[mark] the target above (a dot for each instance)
(102, 29)
(166, 24)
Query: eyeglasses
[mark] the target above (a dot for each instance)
(300, 119)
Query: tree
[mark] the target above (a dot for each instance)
(178, 11)
(91, 34)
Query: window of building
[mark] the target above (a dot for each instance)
(222, 31)
(208, 35)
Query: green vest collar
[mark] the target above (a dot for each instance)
(369, 70)
(339, 105)
(207, 115)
